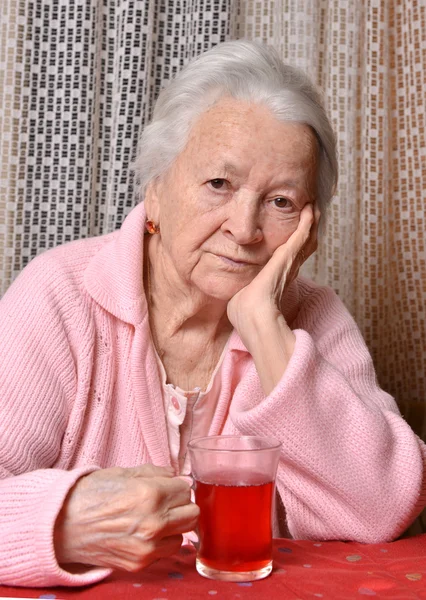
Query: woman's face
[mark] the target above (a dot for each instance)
(233, 195)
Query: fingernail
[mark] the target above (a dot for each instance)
(187, 479)
(193, 538)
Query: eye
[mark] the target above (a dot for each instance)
(218, 184)
(282, 202)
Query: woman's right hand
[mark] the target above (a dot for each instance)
(124, 518)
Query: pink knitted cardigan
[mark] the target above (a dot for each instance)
(80, 390)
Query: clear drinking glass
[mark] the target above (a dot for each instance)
(234, 480)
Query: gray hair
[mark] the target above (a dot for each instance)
(246, 71)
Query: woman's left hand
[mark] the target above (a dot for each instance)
(263, 296)
(256, 310)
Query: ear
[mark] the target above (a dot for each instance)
(152, 201)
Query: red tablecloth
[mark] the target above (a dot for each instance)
(302, 571)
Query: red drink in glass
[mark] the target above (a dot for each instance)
(235, 522)
(234, 488)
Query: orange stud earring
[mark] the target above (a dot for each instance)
(152, 228)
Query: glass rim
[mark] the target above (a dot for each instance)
(275, 443)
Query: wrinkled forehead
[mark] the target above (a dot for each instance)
(246, 127)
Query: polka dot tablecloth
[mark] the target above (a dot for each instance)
(303, 570)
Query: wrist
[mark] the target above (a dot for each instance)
(266, 326)
(271, 344)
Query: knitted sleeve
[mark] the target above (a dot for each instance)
(39, 357)
(351, 468)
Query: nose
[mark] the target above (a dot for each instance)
(242, 224)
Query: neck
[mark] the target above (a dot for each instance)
(175, 305)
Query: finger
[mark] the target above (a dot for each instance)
(178, 492)
(165, 521)
(161, 493)
(312, 243)
(134, 554)
(315, 225)
(297, 248)
(289, 251)
(306, 221)
(181, 519)
(317, 215)
(150, 470)
(188, 479)
(162, 548)
(193, 537)
(302, 235)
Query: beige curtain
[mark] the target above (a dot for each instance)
(369, 57)
(77, 83)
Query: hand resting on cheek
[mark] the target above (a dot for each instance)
(265, 293)
(256, 311)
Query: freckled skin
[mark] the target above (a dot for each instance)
(235, 210)
(266, 159)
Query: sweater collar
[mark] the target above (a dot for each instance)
(114, 276)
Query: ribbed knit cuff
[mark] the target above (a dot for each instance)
(29, 558)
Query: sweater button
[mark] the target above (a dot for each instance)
(175, 403)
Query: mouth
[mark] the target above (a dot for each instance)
(236, 263)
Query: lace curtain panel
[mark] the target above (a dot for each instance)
(78, 79)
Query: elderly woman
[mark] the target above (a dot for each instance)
(117, 350)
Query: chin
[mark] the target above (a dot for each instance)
(222, 288)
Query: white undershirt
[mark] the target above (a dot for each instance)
(188, 414)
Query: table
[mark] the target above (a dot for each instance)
(303, 570)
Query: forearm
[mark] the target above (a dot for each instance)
(350, 466)
(271, 342)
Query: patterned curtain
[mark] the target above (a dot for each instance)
(78, 79)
